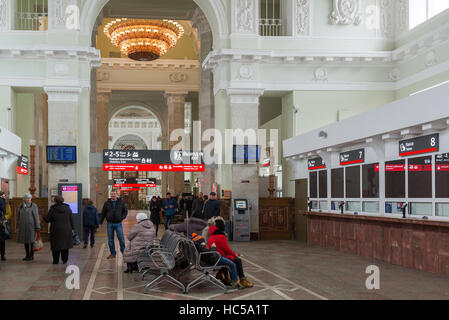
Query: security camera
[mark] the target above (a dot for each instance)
(322, 134)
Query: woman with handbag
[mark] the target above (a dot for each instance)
(61, 229)
(28, 224)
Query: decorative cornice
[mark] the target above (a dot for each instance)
(160, 64)
(244, 96)
(54, 52)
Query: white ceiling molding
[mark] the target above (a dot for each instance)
(160, 64)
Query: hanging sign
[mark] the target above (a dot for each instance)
(425, 144)
(316, 163)
(352, 157)
(23, 165)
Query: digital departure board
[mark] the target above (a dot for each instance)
(61, 154)
(351, 157)
(246, 154)
(135, 183)
(316, 163)
(23, 165)
(425, 144)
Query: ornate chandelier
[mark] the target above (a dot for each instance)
(143, 40)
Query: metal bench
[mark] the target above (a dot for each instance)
(160, 257)
(194, 257)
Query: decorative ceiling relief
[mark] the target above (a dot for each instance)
(402, 16)
(57, 12)
(246, 72)
(386, 18)
(320, 74)
(346, 12)
(245, 16)
(395, 74)
(178, 77)
(302, 17)
(431, 58)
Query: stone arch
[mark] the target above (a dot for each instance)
(214, 10)
(131, 134)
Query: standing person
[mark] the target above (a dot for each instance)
(90, 223)
(61, 229)
(114, 211)
(212, 207)
(28, 224)
(155, 209)
(2, 218)
(169, 206)
(197, 205)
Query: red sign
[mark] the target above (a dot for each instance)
(69, 188)
(442, 167)
(134, 185)
(395, 167)
(21, 170)
(420, 167)
(155, 167)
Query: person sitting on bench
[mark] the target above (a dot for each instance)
(210, 260)
(218, 237)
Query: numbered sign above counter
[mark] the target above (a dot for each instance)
(425, 144)
(352, 157)
(316, 163)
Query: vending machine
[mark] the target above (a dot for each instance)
(241, 220)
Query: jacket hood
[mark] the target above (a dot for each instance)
(212, 229)
(146, 224)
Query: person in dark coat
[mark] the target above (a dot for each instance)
(2, 218)
(155, 216)
(212, 207)
(90, 223)
(114, 211)
(28, 224)
(61, 229)
(198, 205)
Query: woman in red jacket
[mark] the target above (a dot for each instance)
(217, 236)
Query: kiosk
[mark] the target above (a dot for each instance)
(241, 220)
(72, 194)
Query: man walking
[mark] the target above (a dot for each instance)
(169, 206)
(212, 207)
(114, 211)
(197, 206)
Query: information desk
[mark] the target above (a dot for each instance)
(412, 243)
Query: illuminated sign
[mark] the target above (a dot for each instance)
(425, 144)
(352, 157)
(22, 165)
(316, 163)
(153, 160)
(61, 154)
(135, 183)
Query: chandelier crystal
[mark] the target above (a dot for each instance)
(143, 40)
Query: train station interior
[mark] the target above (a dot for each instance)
(319, 126)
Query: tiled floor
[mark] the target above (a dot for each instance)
(281, 270)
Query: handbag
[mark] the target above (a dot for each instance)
(76, 239)
(5, 230)
(38, 245)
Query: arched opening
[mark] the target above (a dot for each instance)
(175, 86)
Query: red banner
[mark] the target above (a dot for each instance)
(442, 167)
(419, 167)
(21, 170)
(155, 167)
(394, 167)
(134, 186)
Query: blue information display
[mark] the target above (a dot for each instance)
(246, 154)
(61, 154)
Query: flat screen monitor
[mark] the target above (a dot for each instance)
(246, 154)
(71, 197)
(61, 154)
(241, 204)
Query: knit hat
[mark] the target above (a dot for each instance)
(141, 216)
(197, 238)
(220, 225)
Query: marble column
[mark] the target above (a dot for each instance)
(101, 180)
(62, 130)
(175, 103)
(206, 96)
(244, 109)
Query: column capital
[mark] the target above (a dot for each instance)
(63, 94)
(245, 96)
(175, 96)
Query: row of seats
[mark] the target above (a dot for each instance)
(162, 256)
